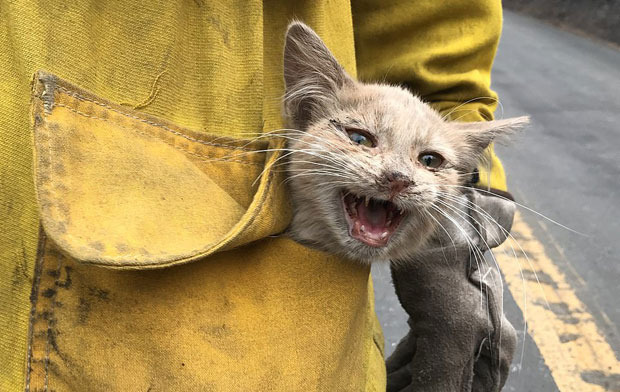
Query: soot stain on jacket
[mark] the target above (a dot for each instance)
(221, 337)
(93, 295)
(20, 275)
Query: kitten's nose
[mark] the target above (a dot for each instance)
(397, 182)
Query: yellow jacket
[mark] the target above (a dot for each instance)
(135, 152)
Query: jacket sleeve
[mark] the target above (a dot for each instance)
(441, 50)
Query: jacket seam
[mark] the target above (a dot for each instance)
(50, 322)
(34, 296)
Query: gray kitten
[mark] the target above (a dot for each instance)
(369, 162)
(374, 173)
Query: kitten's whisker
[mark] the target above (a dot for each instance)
(319, 146)
(242, 135)
(490, 219)
(316, 172)
(323, 170)
(473, 249)
(289, 152)
(479, 258)
(466, 174)
(520, 205)
(445, 231)
(326, 140)
(487, 216)
(328, 157)
(305, 174)
(259, 135)
(465, 215)
(331, 166)
(466, 203)
(462, 214)
(467, 111)
(473, 100)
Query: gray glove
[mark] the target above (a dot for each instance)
(459, 339)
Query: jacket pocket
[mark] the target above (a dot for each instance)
(122, 189)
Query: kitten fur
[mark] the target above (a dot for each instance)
(324, 105)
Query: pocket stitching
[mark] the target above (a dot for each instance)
(155, 136)
(162, 126)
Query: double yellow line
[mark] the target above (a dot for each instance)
(574, 349)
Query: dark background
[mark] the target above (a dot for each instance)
(599, 18)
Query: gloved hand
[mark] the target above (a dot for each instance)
(459, 339)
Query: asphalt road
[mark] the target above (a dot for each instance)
(567, 167)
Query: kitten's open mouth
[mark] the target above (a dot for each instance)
(371, 221)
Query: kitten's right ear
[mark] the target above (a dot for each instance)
(312, 75)
(480, 134)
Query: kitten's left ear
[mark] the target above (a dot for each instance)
(311, 73)
(480, 134)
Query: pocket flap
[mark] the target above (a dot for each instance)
(119, 188)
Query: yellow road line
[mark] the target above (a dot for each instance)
(576, 352)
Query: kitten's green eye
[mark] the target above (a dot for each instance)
(358, 136)
(431, 160)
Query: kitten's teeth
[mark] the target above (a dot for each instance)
(401, 211)
(384, 235)
(367, 201)
(389, 223)
(363, 228)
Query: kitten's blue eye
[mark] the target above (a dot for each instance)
(358, 136)
(431, 160)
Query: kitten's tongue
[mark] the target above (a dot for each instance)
(373, 217)
(372, 222)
